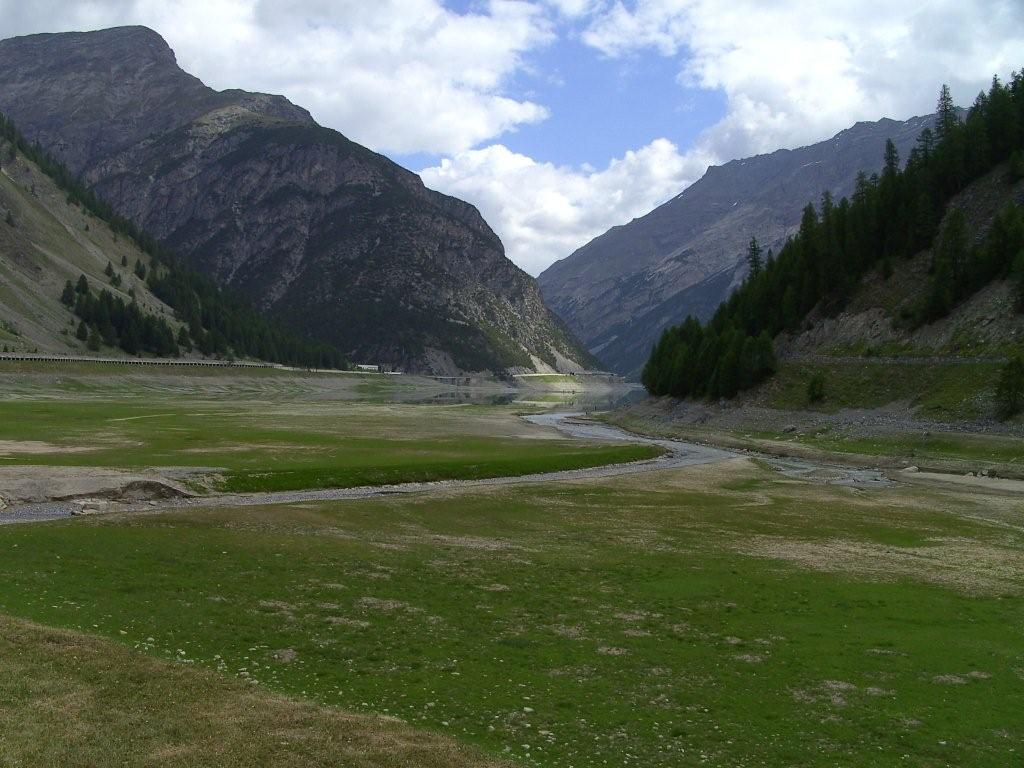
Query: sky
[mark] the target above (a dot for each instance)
(559, 119)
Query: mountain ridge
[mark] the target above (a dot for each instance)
(336, 241)
(620, 290)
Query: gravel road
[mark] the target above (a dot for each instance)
(38, 513)
(678, 454)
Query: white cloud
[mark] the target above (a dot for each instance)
(793, 73)
(574, 8)
(543, 212)
(401, 76)
(797, 72)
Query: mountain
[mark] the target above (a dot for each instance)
(622, 289)
(922, 261)
(75, 277)
(46, 241)
(334, 240)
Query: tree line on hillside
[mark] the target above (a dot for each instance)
(892, 215)
(219, 322)
(108, 319)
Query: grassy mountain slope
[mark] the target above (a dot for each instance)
(52, 241)
(124, 292)
(869, 356)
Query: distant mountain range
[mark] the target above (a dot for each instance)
(619, 291)
(330, 238)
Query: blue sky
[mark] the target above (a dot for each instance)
(600, 107)
(559, 119)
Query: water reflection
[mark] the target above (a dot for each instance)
(601, 400)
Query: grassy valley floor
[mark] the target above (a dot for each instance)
(905, 412)
(267, 432)
(704, 616)
(71, 699)
(716, 615)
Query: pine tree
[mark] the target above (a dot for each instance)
(83, 331)
(109, 271)
(950, 262)
(68, 296)
(183, 339)
(1018, 280)
(945, 114)
(83, 285)
(94, 342)
(816, 388)
(891, 168)
(1002, 122)
(754, 258)
(140, 269)
(925, 144)
(9, 219)
(1017, 166)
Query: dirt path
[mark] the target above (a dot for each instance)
(678, 454)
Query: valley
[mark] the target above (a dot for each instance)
(574, 618)
(298, 467)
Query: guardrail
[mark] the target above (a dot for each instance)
(189, 362)
(186, 361)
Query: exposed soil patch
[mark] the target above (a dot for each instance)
(24, 485)
(378, 604)
(33, 447)
(136, 490)
(963, 564)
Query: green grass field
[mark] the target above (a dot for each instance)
(955, 452)
(711, 616)
(946, 392)
(72, 699)
(719, 615)
(983, 450)
(259, 436)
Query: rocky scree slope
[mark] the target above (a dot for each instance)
(334, 240)
(622, 289)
